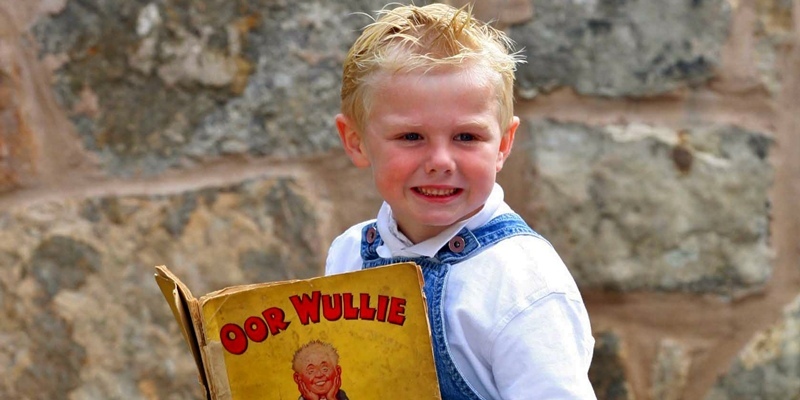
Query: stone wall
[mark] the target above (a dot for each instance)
(658, 153)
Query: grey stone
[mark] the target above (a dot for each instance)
(253, 263)
(63, 263)
(620, 47)
(178, 215)
(607, 372)
(639, 207)
(670, 371)
(56, 359)
(180, 83)
(768, 366)
(82, 315)
(774, 30)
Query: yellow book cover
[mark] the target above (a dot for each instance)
(359, 335)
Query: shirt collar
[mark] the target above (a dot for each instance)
(396, 244)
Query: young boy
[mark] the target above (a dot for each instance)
(317, 372)
(427, 104)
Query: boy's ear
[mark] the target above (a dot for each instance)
(507, 142)
(351, 141)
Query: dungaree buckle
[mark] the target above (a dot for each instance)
(456, 244)
(371, 234)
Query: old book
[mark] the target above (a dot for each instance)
(360, 335)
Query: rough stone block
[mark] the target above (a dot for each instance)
(768, 366)
(639, 207)
(499, 13)
(82, 315)
(670, 371)
(774, 32)
(620, 48)
(607, 372)
(156, 85)
(17, 149)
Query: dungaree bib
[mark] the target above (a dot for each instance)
(435, 269)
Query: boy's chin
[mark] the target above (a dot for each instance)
(445, 220)
(432, 227)
(320, 390)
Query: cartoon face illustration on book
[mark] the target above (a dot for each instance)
(317, 372)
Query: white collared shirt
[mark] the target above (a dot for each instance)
(395, 244)
(515, 323)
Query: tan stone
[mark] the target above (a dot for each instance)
(670, 371)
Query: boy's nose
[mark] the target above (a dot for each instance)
(439, 161)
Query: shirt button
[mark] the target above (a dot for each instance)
(456, 244)
(371, 234)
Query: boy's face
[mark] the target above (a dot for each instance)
(317, 370)
(435, 145)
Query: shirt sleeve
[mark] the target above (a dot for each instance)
(344, 254)
(545, 351)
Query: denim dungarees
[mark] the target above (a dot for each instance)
(462, 246)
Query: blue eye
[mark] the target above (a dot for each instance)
(465, 137)
(412, 136)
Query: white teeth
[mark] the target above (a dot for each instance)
(436, 192)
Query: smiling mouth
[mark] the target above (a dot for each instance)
(436, 192)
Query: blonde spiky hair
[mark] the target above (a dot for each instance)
(412, 38)
(311, 346)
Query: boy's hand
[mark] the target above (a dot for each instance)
(337, 383)
(305, 392)
(331, 395)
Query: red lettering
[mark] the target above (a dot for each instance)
(366, 312)
(307, 308)
(397, 309)
(336, 306)
(256, 329)
(233, 339)
(276, 320)
(383, 306)
(350, 312)
(332, 306)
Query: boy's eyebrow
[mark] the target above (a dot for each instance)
(399, 121)
(474, 124)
